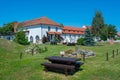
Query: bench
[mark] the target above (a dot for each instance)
(65, 68)
(76, 64)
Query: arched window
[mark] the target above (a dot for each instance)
(37, 39)
(31, 39)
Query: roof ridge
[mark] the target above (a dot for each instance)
(41, 20)
(31, 20)
(73, 27)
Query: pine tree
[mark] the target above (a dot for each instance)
(88, 40)
(97, 24)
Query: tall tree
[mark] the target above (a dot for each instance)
(88, 40)
(97, 24)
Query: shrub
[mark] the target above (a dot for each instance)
(44, 39)
(80, 41)
(36, 48)
(71, 44)
(56, 39)
(20, 38)
(118, 38)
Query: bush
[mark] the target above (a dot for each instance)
(56, 39)
(118, 38)
(35, 48)
(80, 41)
(103, 37)
(20, 38)
(44, 39)
(40, 49)
(71, 44)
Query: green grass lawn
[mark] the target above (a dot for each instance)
(29, 68)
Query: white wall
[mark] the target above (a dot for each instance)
(33, 31)
(8, 37)
(44, 29)
(39, 30)
(59, 29)
(73, 37)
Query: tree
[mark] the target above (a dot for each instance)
(104, 33)
(20, 38)
(80, 41)
(112, 31)
(97, 24)
(108, 31)
(7, 29)
(88, 40)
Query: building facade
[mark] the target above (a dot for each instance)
(71, 34)
(43, 27)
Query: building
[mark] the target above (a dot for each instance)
(71, 34)
(7, 37)
(38, 28)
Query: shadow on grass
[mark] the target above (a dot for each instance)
(61, 71)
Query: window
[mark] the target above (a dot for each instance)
(37, 39)
(48, 28)
(31, 39)
(70, 35)
(56, 29)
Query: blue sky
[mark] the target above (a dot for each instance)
(68, 12)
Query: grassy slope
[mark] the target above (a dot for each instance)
(29, 68)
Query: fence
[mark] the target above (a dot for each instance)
(114, 53)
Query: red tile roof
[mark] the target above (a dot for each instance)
(58, 33)
(72, 30)
(42, 20)
(49, 32)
